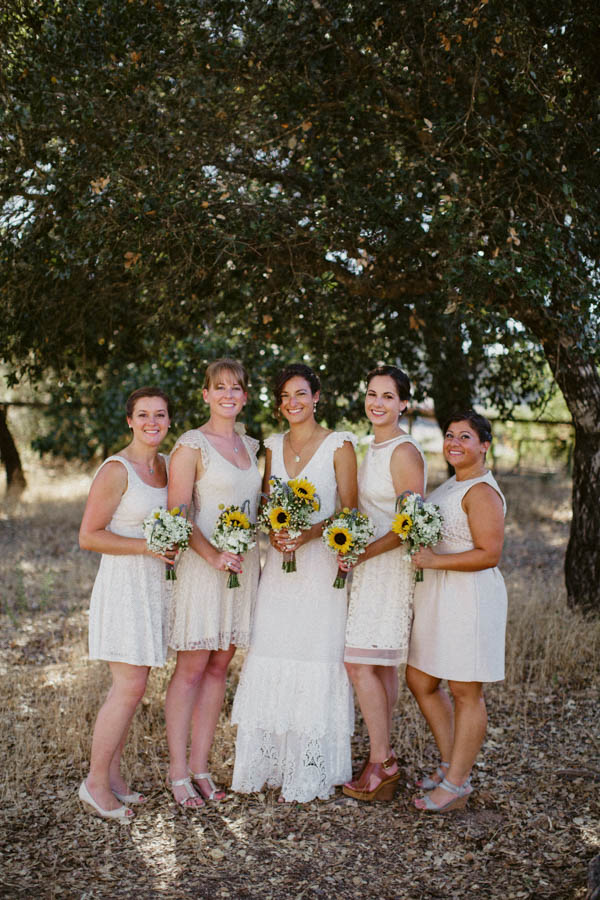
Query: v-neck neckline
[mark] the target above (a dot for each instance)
(306, 464)
(239, 468)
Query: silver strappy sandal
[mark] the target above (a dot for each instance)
(429, 784)
(214, 790)
(459, 801)
(191, 793)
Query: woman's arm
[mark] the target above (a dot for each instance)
(485, 513)
(106, 492)
(267, 474)
(344, 463)
(408, 474)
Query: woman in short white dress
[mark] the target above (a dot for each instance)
(129, 605)
(460, 612)
(293, 706)
(380, 609)
(212, 467)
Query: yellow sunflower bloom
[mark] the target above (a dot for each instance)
(236, 520)
(279, 518)
(402, 524)
(340, 539)
(302, 488)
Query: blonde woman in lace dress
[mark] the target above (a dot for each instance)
(383, 581)
(293, 706)
(460, 612)
(212, 466)
(129, 605)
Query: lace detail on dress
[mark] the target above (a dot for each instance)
(380, 611)
(197, 441)
(293, 706)
(251, 443)
(130, 598)
(339, 438)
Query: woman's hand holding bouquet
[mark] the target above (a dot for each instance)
(347, 534)
(287, 512)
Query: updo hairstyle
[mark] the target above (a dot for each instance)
(400, 379)
(142, 392)
(296, 370)
(478, 423)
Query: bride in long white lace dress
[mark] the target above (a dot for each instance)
(293, 706)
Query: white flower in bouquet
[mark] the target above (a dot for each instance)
(235, 533)
(418, 523)
(347, 534)
(165, 529)
(289, 506)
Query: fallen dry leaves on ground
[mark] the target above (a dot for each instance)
(529, 831)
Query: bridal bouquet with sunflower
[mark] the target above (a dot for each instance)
(234, 532)
(418, 523)
(347, 534)
(165, 529)
(288, 507)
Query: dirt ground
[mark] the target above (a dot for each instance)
(529, 831)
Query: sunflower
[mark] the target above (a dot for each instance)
(279, 518)
(402, 524)
(236, 520)
(302, 488)
(340, 539)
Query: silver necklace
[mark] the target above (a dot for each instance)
(305, 444)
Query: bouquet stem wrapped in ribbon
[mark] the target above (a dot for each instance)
(234, 532)
(165, 529)
(347, 534)
(418, 523)
(288, 507)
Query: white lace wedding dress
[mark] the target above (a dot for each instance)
(293, 706)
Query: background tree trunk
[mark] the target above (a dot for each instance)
(15, 479)
(579, 381)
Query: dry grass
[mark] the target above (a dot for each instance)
(528, 832)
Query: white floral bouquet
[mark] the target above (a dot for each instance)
(234, 532)
(347, 534)
(289, 507)
(418, 523)
(165, 529)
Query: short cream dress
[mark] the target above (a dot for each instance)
(380, 610)
(205, 613)
(459, 620)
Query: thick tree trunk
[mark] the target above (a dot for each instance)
(451, 373)
(579, 381)
(15, 479)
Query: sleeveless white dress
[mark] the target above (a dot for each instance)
(293, 706)
(130, 598)
(205, 613)
(459, 617)
(381, 595)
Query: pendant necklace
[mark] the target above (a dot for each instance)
(293, 449)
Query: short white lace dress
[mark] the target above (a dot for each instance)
(293, 706)
(460, 617)
(382, 589)
(205, 613)
(130, 599)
